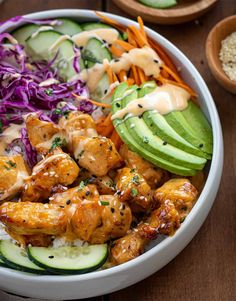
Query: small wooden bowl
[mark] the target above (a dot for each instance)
(184, 11)
(213, 45)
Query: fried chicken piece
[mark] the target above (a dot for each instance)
(36, 240)
(27, 218)
(13, 171)
(97, 222)
(57, 168)
(41, 133)
(133, 188)
(98, 155)
(164, 220)
(181, 192)
(153, 175)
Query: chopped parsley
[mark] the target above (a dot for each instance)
(82, 184)
(1, 127)
(133, 170)
(48, 91)
(58, 142)
(134, 192)
(135, 180)
(103, 203)
(11, 163)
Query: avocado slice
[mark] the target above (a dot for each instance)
(119, 98)
(144, 136)
(159, 126)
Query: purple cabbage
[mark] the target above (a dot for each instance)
(29, 150)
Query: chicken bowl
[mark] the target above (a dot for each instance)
(111, 153)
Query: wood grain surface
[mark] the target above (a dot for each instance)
(206, 269)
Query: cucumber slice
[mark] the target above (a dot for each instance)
(95, 52)
(95, 25)
(16, 258)
(159, 3)
(101, 90)
(69, 260)
(22, 33)
(2, 264)
(68, 26)
(39, 48)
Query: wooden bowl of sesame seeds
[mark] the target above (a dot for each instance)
(217, 54)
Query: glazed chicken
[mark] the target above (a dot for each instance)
(57, 168)
(133, 188)
(41, 133)
(164, 220)
(13, 172)
(97, 222)
(153, 175)
(97, 154)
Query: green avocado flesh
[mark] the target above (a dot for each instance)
(153, 138)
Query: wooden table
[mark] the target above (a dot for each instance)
(206, 269)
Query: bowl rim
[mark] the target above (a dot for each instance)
(218, 72)
(215, 168)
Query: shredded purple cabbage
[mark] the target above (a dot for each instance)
(29, 150)
(19, 19)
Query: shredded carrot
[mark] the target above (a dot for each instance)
(141, 25)
(110, 21)
(130, 81)
(172, 74)
(141, 75)
(108, 121)
(96, 103)
(115, 138)
(104, 126)
(135, 74)
(116, 51)
(182, 85)
(110, 74)
(125, 45)
(131, 38)
(115, 79)
(122, 76)
(140, 39)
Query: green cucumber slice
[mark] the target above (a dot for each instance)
(101, 90)
(39, 48)
(69, 260)
(159, 3)
(95, 52)
(68, 26)
(95, 25)
(16, 258)
(22, 33)
(128, 139)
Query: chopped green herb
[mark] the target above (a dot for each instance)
(135, 179)
(7, 168)
(134, 192)
(57, 111)
(182, 219)
(58, 142)
(132, 170)
(48, 91)
(81, 153)
(82, 184)
(145, 139)
(103, 203)
(1, 127)
(11, 163)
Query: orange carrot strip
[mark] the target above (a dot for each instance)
(115, 138)
(122, 76)
(131, 38)
(172, 73)
(115, 79)
(109, 73)
(141, 75)
(116, 51)
(141, 25)
(104, 130)
(99, 104)
(124, 45)
(108, 121)
(135, 75)
(110, 21)
(130, 81)
(140, 39)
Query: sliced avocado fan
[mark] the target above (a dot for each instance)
(153, 138)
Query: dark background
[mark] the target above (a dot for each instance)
(206, 269)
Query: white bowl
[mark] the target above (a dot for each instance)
(110, 280)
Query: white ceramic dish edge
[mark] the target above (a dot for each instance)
(106, 281)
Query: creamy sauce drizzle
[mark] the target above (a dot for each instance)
(48, 82)
(144, 58)
(58, 42)
(10, 134)
(42, 28)
(163, 99)
(107, 34)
